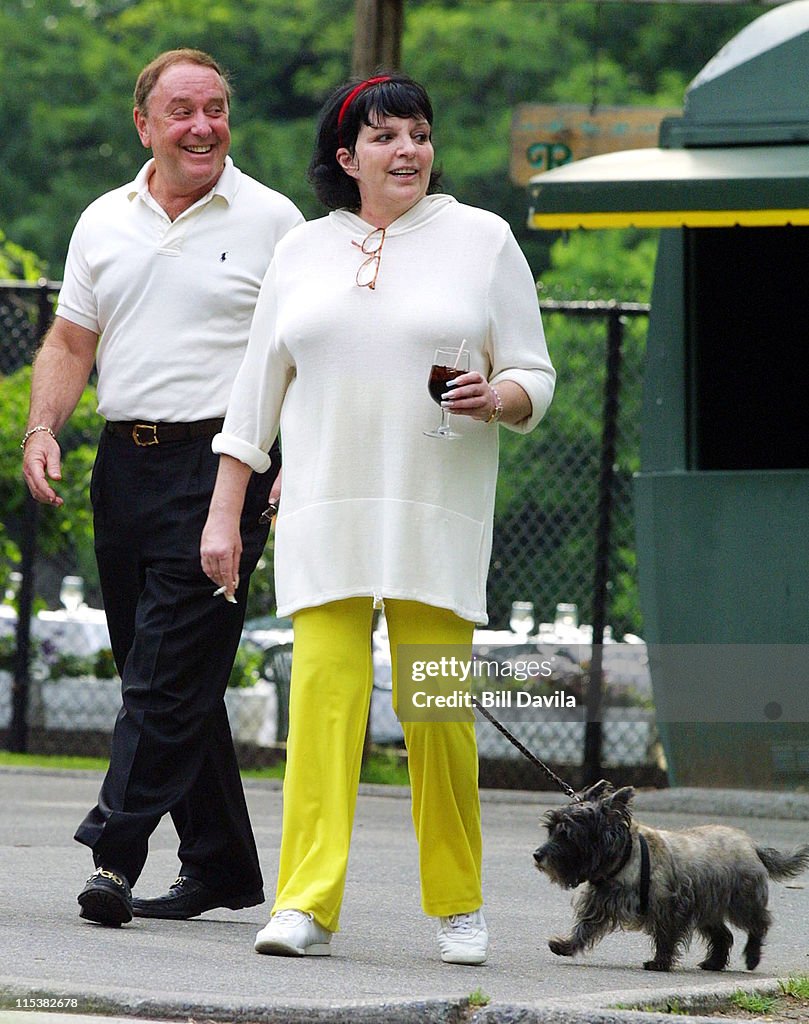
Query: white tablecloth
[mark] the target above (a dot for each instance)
(81, 632)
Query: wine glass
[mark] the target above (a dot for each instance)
(71, 593)
(567, 617)
(522, 618)
(448, 363)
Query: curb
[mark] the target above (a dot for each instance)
(95, 1002)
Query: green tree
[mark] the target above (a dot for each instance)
(65, 532)
(66, 135)
(18, 263)
(481, 59)
(66, 125)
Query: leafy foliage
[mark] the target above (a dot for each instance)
(66, 126)
(247, 666)
(67, 530)
(67, 136)
(17, 263)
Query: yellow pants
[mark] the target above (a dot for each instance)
(332, 677)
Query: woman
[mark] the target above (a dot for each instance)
(373, 510)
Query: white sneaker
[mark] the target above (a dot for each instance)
(463, 938)
(293, 933)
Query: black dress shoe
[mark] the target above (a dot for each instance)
(106, 898)
(188, 897)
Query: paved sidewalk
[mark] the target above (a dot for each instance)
(385, 965)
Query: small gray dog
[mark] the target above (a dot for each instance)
(668, 884)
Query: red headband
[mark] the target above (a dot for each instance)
(354, 94)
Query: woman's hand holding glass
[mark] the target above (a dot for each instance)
(449, 365)
(472, 395)
(459, 391)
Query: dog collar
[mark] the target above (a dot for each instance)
(645, 870)
(644, 874)
(622, 863)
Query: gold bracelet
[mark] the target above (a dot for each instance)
(497, 411)
(34, 430)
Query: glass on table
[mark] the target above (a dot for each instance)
(521, 619)
(71, 593)
(567, 616)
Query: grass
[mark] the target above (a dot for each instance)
(386, 767)
(794, 996)
(791, 1004)
(670, 1006)
(797, 988)
(272, 771)
(52, 761)
(477, 997)
(754, 1002)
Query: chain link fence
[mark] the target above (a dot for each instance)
(564, 536)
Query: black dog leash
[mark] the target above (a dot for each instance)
(566, 789)
(645, 865)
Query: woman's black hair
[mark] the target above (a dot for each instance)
(397, 96)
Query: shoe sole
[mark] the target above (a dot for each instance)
(472, 960)
(243, 902)
(276, 947)
(104, 907)
(237, 903)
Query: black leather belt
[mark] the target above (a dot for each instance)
(146, 434)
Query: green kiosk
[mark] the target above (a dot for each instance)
(722, 498)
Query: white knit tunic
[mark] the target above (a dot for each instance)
(370, 505)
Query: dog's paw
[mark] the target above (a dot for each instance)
(752, 954)
(713, 965)
(561, 947)
(657, 965)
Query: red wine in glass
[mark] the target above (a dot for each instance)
(448, 363)
(437, 384)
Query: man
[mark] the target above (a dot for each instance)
(166, 271)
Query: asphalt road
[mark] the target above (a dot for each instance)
(385, 965)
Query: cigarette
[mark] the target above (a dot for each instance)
(222, 591)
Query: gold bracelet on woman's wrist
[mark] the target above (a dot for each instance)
(497, 411)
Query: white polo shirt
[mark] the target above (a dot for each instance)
(171, 300)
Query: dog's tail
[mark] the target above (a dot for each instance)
(781, 865)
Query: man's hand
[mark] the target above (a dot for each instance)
(61, 370)
(41, 461)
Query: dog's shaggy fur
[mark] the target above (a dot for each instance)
(699, 879)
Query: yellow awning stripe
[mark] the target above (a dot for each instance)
(668, 219)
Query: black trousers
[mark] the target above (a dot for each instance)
(174, 645)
